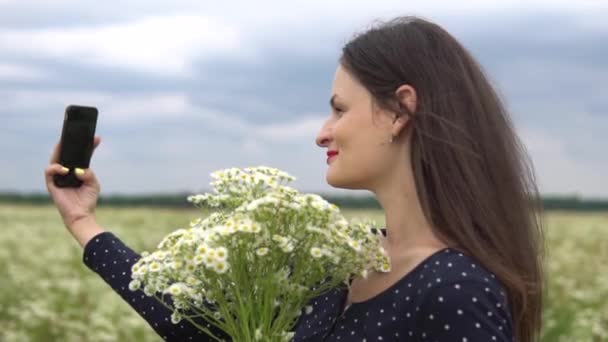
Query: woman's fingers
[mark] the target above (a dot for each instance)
(51, 170)
(88, 177)
(96, 142)
(55, 154)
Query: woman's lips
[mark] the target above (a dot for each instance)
(330, 156)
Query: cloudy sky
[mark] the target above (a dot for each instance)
(188, 87)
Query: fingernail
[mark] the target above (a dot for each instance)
(64, 169)
(79, 171)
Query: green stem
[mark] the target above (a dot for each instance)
(207, 331)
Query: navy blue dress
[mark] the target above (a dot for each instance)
(447, 297)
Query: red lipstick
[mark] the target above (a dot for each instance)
(331, 154)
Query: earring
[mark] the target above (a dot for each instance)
(391, 139)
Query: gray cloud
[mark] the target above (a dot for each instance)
(550, 68)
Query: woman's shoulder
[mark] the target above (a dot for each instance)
(453, 266)
(452, 271)
(458, 294)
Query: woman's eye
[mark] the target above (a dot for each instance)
(338, 111)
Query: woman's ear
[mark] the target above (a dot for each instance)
(406, 94)
(399, 124)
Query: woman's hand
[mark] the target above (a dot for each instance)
(76, 205)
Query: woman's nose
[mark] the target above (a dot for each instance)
(323, 142)
(323, 138)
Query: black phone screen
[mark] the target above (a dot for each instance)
(77, 137)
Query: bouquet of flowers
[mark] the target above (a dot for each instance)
(250, 266)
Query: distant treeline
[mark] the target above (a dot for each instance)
(179, 200)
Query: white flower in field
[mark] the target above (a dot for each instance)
(220, 266)
(287, 336)
(221, 253)
(176, 317)
(224, 230)
(258, 334)
(177, 264)
(159, 255)
(255, 228)
(192, 281)
(354, 244)
(198, 259)
(160, 287)
(252, 206)
(288, 247)
(294, 206)
(198, 198)
(195, 222)
(315, 229)
(155, 266)
(202, 249)
(149, 290)
(142, 270)
(134, 285)
(190, 267)
(176, 289)
(209, 260)
(327, 252)
(386, 267)
(280, 239)
(316, 252)
(261, 251)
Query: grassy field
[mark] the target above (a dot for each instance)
(48, 294)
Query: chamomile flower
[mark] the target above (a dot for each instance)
(221, 253)
(255, 228)
(199, 259)
(176, 317)
(202, 249)
(354, 244)
(220, 266)
(316, 252)
(175, 289)
(287, 247)
(134, 284)
(261, 251)
(155, 266)
(258, 334)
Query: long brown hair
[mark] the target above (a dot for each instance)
(473, 176)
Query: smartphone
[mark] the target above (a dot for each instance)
(76, 143)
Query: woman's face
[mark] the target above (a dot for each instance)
(363, 157)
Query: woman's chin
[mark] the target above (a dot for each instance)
(336, 180)
(332, 177)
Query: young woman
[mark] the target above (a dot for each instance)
(415, 121)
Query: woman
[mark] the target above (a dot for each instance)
(415, 121)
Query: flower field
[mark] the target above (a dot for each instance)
(47, 293)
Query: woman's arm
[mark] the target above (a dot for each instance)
(108, 256)
(105, 254)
